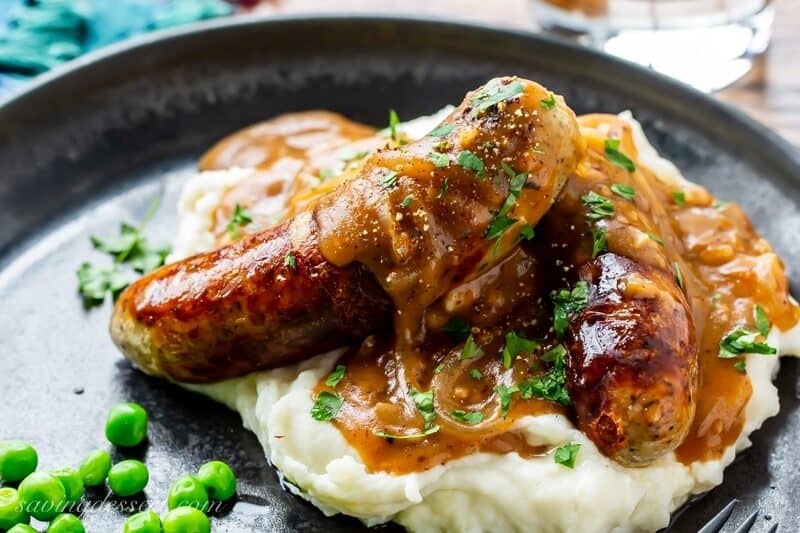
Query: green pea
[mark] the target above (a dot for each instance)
(42, 495)
(126, 424)
(186, 520)
(218, 479)
(66, 523)
(11, 510)
(187, 491)
(95, 467)
(73, 484)
(22, 528)
(144, 522)
(18, 459)
(128, 477)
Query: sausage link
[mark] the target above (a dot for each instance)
(241, 308)
(247, 307)
(632, 369)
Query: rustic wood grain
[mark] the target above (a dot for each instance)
(770, 92)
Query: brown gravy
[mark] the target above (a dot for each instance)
(726, 269)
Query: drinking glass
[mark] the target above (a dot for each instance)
(706, 43)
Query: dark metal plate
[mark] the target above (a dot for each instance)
(90, 146)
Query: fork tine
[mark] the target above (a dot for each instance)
(773, 529)
(716, 523)
(747, 524)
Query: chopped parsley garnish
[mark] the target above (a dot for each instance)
(678, 274)
(599, 243)
(552, 385)
(457, 328)
(442, 146)
(443, 190)
(502, 222)
(740, 365)
(467, 417)
(548, 103)
(120, 246)
(407, 201)
(472, 162)
(394, 120)
(538, 151)
(439, 160)
(290, 260)
(470, 350)
(499, 225)
(515, 186)
(94, 282)
(495, 92)
(740, 341)
(424, 403)
(497, 229)
(625, 191)
(616, 157)
(146, 257)
(439, 368)
(324, 174)
(475, 374)
(348, 156)
(565, 303)
(441, 130)
(130, 247)
(526, 232)
(599, 206)
(505, 394)
(239, 219)
(336, 376)
(679, 197)
(762, 320)
(721, 204)
(515, 345)
(326, 406)
(654, 237)
(566, 454)
(389, 180)
(554, 354)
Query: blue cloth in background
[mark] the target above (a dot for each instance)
(36, 35)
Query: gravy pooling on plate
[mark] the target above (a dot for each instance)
(723, 266)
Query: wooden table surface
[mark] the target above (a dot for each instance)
(770, 92)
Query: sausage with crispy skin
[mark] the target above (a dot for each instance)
(362, 250)
(632, 369)
(246, 306)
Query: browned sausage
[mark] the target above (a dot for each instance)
(240, 309)
(243, 308)
(632, 369)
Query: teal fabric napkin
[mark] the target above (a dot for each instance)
(37, 35)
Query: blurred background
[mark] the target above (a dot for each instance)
(745, 52)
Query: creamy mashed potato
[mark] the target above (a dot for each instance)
(480, 492)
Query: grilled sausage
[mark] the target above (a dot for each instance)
(242, 308)
(632, 369)
(247, 306)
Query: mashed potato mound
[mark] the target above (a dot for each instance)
(480, 492)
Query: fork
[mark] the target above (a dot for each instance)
(719, 520)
